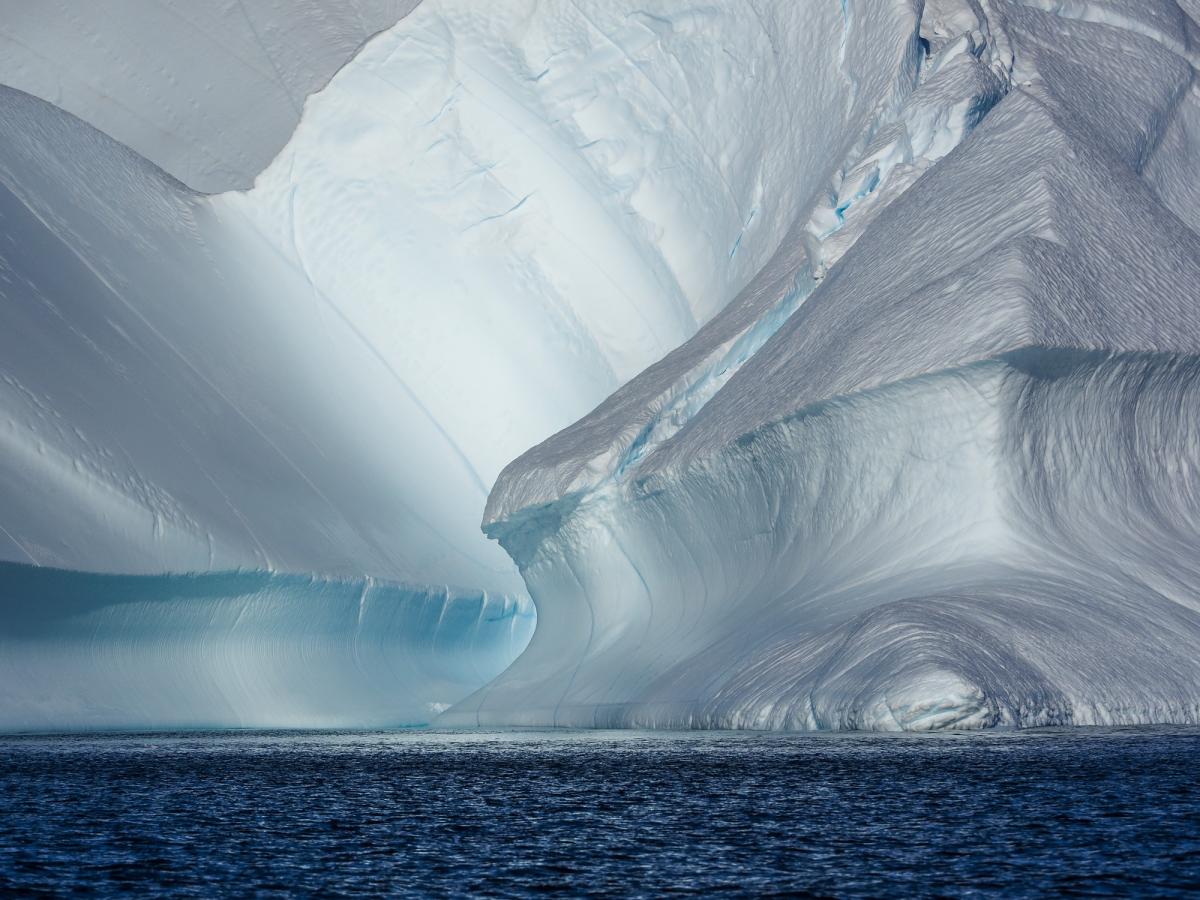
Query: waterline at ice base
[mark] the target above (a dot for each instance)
(811, 366)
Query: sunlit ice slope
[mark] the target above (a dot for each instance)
(521, 206)
(943, 474)
(488, 220)
(209, 91)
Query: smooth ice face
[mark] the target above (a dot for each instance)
(244, 649)
(951, 483)
(207, 91)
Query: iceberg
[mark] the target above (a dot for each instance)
(855, 341)
(484, 224)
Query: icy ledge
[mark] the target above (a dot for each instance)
(956, 486)
(243, 649)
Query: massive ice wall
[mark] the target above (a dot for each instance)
(944, 477)
(487, 221)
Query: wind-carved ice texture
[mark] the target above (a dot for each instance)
(957, 486)
(490, 219)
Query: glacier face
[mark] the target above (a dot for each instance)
(486, 222)
(955, 487)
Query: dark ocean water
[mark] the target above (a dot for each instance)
(1029, 814)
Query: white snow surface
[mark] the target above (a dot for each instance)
(945, 477)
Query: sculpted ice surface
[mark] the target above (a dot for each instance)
(243, 649)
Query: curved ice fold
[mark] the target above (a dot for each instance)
(482, 226)
(563, 197)
(956, 487)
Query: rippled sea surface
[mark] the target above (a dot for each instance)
(1090, 812)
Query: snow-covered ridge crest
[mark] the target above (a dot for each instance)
(955, 488)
